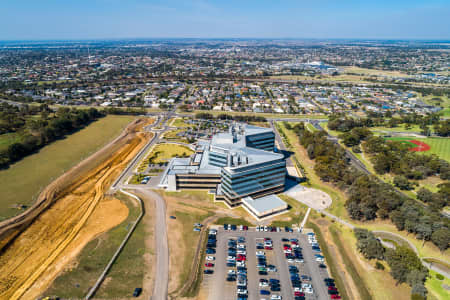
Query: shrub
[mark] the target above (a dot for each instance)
(439, 277)
(379, 266)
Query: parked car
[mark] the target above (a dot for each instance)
(137, 292)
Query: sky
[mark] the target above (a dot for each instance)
(321, 19)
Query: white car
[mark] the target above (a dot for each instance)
(242, 292)
(263, 284)
(308, 291)
(231, 272)
(240, 264)
(260, 253)
(241, 227)
(209, 257)
(275, 297)
(257, 228)
(231, 257)
(242, 252)
(319, 259)
(213, 231)
(306, 286)
(297, 289)
(241, 246)
(266, 229)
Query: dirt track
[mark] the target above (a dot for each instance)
(61, 231)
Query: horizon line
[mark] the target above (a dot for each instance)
(224, 38)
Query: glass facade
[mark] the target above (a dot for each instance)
(249, 180)
(264, 141)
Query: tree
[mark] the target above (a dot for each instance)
(402, 261)
(402, 182)
(441, 238)
(424, 195)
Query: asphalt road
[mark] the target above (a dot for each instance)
(161, 246)
(281, 145)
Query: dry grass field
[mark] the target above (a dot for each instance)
(23, 181)
(79, 213)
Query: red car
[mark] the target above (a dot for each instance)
(299, 294)
(267, 239)
(245, 227)
(241, 258)
(209, 265)
(294, 243)
(335, 297)
(268, 248)
(332, 288)
(287, 248)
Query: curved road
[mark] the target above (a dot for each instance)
(161, 246)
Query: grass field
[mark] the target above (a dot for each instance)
(435, 286)
(403, 140)
(350, 265)
(171, 135)
(379, 283)
(126, 273)
(23, 181)
(162, 153)
(314, 181)
(365, 71)
(179, 122)
(7, 139)
(295, 215)
(310, 127)
(439, 146)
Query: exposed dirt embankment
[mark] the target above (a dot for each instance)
(69, 212)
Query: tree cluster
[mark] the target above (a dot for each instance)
(394, 157)
(404, 264)
(37, 130)
(369, 246)
(369, 197)
(406, 267)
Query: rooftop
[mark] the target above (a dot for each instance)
(265, 205)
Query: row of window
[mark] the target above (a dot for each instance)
(249, 170)
(269, 172)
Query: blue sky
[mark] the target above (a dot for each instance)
(98, 19)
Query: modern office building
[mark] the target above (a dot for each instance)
(236, 164)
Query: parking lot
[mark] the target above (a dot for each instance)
(238, 248)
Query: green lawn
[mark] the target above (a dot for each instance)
(162, 153)
(23, 181)
(439, 146)
(446, 112)
(7, 139)
(179, 122)
(403, 140)
(126, 273)
(310, 127)
(435, 288)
